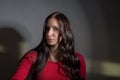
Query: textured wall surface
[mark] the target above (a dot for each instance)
(95, 25)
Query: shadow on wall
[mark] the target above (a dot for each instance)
(9, 51)
(104, 24)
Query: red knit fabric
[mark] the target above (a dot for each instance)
(49, 72)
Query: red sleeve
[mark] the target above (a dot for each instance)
(24, 66)
(82, 65)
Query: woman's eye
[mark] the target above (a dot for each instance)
(56, 29)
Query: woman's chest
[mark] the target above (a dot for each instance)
(52, 71)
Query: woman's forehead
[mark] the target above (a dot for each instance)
(52, 22)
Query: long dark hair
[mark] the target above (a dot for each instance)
(65, 55)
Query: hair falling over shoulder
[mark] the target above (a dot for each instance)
(66, 55)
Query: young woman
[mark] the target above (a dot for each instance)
(54, 58)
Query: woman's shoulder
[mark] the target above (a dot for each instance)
(79, 56)
(30, 55)
(82, 64)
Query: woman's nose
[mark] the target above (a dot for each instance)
(50, 32)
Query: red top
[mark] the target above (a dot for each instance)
(49, 72)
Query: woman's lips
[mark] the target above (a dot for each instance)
(49, 40)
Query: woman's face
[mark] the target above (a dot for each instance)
(52, 33)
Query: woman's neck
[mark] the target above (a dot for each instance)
(53, 51)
